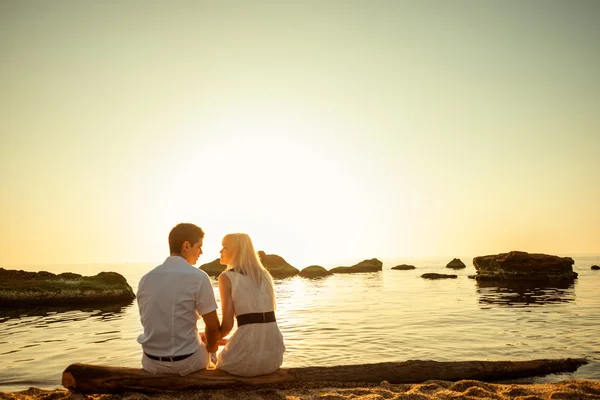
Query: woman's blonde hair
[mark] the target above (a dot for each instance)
(245, 260)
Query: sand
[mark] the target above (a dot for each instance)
(466, 389)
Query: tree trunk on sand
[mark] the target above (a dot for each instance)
(86, 378)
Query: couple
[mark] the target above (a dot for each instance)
(173, 296)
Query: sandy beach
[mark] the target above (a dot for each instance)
(465, 389)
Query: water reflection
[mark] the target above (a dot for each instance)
(357, 281)
(63, 314)
(524, 294)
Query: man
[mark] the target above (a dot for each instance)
(171, 299)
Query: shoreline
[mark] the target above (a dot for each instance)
(433, 389)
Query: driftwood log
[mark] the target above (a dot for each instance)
(86, 378)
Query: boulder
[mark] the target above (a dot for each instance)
(456, 264)
(519, 265)
(595, 267)
(404, 267)
(40, 289)
(372, 265)
(213, 268)
(433, 275)
(277, 266)
(315, 271)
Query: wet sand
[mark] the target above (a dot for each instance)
(466, 389)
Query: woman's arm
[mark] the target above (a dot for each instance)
(226, 305)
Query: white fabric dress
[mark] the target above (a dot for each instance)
(253, 349)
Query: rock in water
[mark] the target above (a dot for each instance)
(40, 289)
(276, 265)
(432, 275)
(315, 271)
(372, 265)
(213, 268)
(404, 267)
(456, 264)
(519, 265)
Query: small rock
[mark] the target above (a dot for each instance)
(213, 268)
(595, 267)
(456, 264)
(404, 267)
(432, 275)
(314, 271)
(372, 265)
(277, 266)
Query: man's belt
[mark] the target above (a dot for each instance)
(256, 318)
(171, 359)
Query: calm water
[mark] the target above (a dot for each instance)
(341, 319)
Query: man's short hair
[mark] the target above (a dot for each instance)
(182, 233)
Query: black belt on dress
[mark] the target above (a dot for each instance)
(171, 359)
(256, 318)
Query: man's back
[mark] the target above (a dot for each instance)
(171, 298)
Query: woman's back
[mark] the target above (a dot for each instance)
(254, 348)
(247, 297)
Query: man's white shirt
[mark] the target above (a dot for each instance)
(171, 298)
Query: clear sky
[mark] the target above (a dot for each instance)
(327, 130)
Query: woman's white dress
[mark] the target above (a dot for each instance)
(253, 349)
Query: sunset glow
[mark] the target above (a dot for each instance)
(326, 131)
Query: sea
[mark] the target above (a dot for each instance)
(340, 319)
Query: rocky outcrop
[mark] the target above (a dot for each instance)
(456, 264)
(40, 289)
(315, 271)
(522, 266)
(277, 266)
(213, 268)
(432, 275)
(404, 267)
(595, 267)
(372, 265)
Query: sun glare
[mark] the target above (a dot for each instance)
(270, 178)
(267, 172)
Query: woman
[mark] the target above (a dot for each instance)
(256, 347)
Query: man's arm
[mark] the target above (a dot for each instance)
(211, 330)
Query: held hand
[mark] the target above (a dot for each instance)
(212, 361)
(220, 342)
